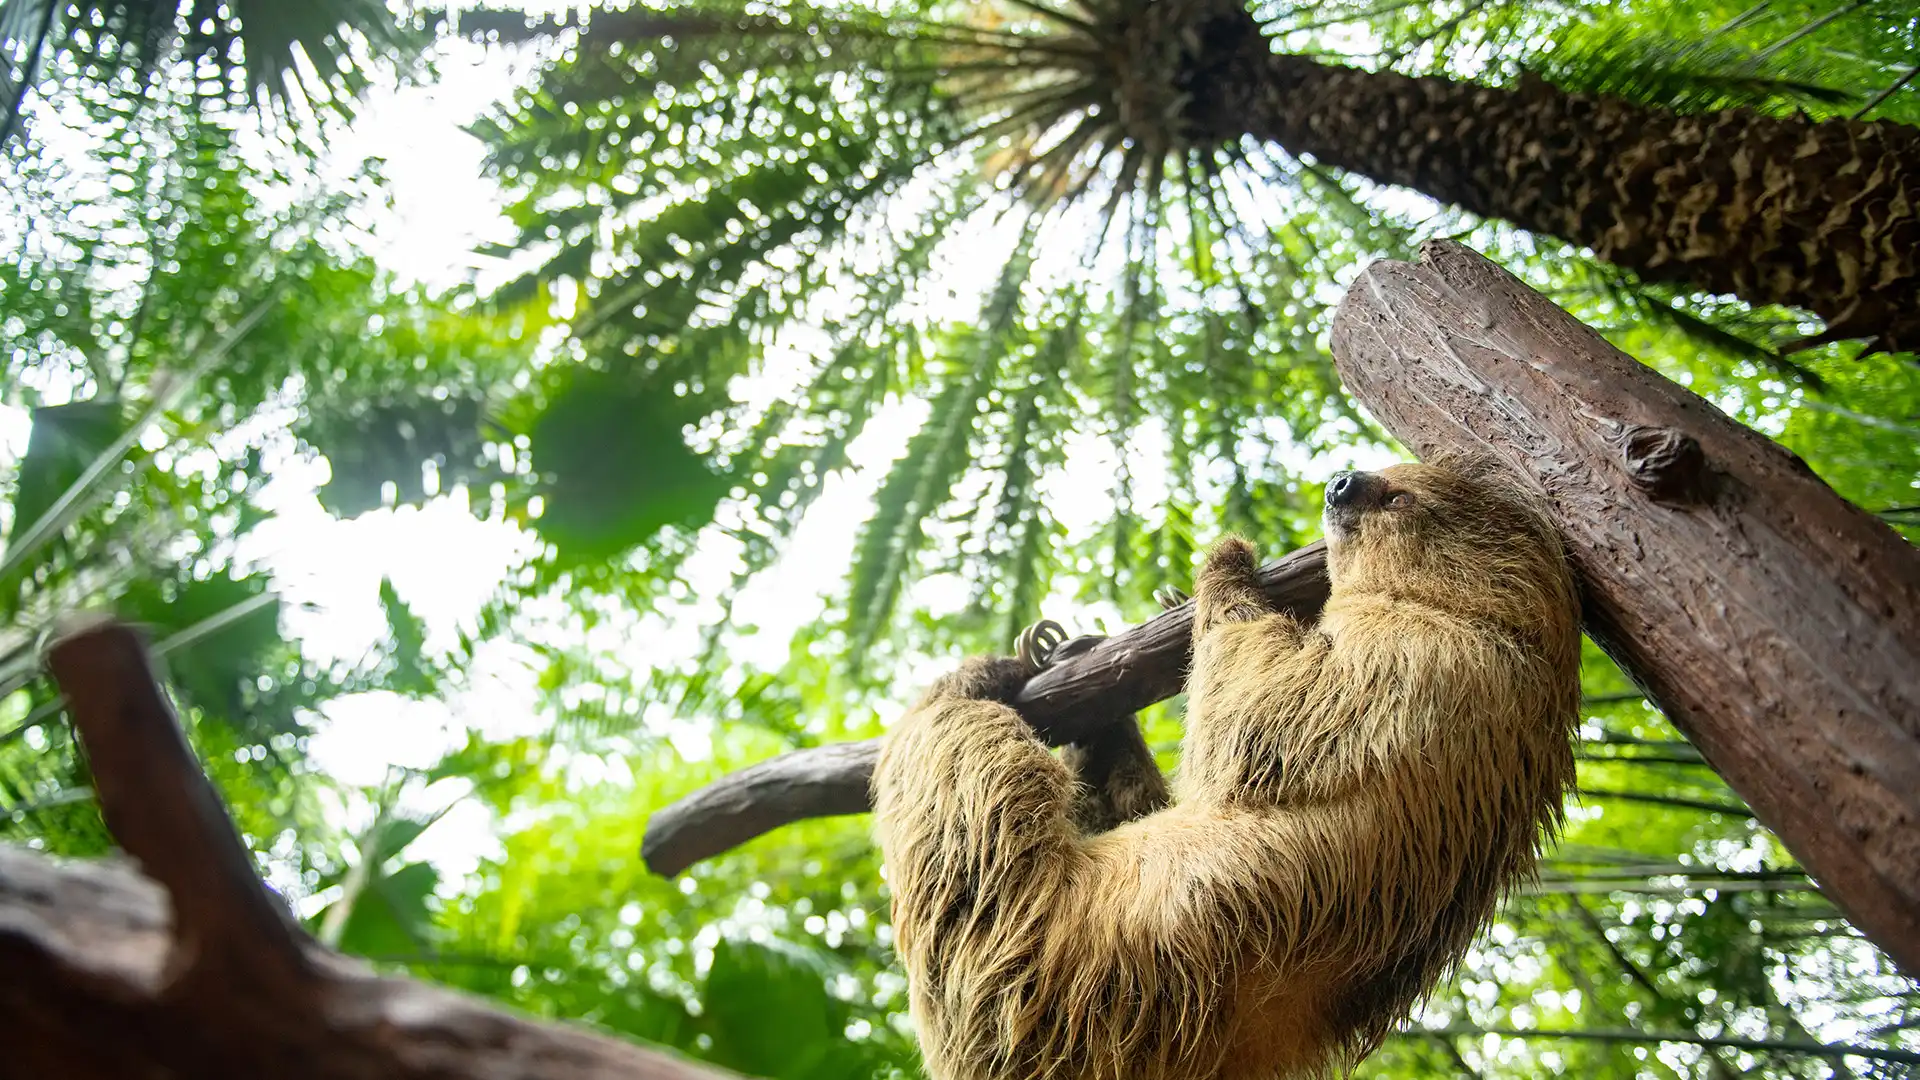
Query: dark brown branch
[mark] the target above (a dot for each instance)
(194, 968)
(1115, 678)
(826, 781)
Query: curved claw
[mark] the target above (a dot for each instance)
(1038, 643)
(1169, 597)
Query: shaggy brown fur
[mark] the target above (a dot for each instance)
(1352, 799)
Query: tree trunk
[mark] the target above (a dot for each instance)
(1775, 623)
(1775, 210)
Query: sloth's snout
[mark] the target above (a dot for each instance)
(1354, 491)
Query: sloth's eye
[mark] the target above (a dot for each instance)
(1400, 500)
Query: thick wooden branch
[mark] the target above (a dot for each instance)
(194, 968)
(1115, 678)
(163, 811)
(1775, 623)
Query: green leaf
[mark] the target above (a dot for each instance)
(390, 916)
(396, 833)
(369, 446)
(65, 440)
(226, 639)
(771, 1014)
(408, 636)
(615, 469)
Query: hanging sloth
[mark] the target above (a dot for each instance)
(1353, 798)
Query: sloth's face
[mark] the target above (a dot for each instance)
(1415, 529)
(1413, 519)
(1369, 503)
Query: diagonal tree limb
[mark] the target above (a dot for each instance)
(1116, 677)
(194, 968)
(160, 807)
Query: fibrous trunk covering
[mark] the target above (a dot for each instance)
(1822, 216)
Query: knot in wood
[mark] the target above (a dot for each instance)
(1663, 462)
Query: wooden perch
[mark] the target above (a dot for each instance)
(1775, 623)
(1117, 677)
(194, 968)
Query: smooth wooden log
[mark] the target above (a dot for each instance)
(1776, 624)
(193, 968)
(1115, 678)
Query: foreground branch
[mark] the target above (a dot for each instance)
(1115, 678)
(189, 966)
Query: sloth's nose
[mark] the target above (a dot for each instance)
(1344, 489)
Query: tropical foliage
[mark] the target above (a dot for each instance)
(908, 285)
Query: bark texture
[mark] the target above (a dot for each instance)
(1822, 216)
(1774, 622)
(1114, 679)
(189, 967)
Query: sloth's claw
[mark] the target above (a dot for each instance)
(1037, 644)
(1169, 597)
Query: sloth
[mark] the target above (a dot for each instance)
(1352, 801)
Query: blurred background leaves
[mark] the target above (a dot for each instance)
(823, 345)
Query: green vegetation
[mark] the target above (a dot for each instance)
(861, 262)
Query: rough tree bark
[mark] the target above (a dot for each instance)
(1775, 623)
(106, 975)
(1775, 210)
(1117, 677)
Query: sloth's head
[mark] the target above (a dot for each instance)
(1455, 534)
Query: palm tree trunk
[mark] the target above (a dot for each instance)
(1823, 216)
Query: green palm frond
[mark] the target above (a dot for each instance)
(692, 164)
(1690, 76)
(921, 483)
(260, 52)
(1022, 533)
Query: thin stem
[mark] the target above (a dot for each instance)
(1881, 98)
(64, 797)
(29, 72)
(58, 516)
(188, 636)
(1767, 53)
(1640, 759)
(1710, 807)
(361, 872)
(1782, 1046)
